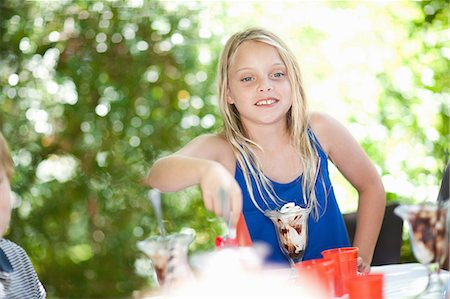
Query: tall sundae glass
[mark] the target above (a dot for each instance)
(291, 226)
(169, 256)
(429, 241)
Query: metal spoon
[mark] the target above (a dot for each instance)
(155, 198)
(226, 211)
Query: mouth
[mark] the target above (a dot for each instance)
(266, 102)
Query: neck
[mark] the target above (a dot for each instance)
(269, 137)
(278, 159)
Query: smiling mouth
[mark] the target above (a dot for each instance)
(265, 102)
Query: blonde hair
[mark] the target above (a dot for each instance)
(6, 161)
(297, 120)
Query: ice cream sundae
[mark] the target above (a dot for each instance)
(291, 226)
(169, 256)
(429, 241)
(429, 234)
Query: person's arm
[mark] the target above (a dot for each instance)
(207, 161)
(5, 202)
(351, 160)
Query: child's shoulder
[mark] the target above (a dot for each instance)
(319, 118)
(320, 122)
(211, 142)
(324, 128)
(216, 147)
(212, 139)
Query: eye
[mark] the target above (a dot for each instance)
(247, 79)
(278, 75)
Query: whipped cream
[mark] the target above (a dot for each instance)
(290, 207)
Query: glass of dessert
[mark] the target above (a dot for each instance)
(169, 256)
(291, 226)
(429, 241)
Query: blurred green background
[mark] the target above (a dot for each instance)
(92, 92)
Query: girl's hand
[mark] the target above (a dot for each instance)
(217, 179)
(363, 267)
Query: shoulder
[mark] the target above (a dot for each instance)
(211, 146)
(224, 149)
(331, 134)
(24, 280)
(212, 139)
(16, 255)
(11, 248)
(321, 121)
(214, 143)
(334, 137)
(324, 128)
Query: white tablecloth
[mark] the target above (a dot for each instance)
(400, 281)
(405, 280)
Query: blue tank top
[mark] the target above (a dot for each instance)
(325, 232)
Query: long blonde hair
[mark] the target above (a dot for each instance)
(297, 121)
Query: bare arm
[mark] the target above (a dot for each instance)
(207, 161)
(177, 171)
(351, 160)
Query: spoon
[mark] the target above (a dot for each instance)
(226, 210)
(155, 198)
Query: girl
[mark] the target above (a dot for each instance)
(273, 151)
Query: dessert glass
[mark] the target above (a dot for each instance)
(429, 241)
(169, 256)
(291, 226)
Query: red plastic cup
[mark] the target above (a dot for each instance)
(345, 266)
(242, 236)
(318, 272)
(226, 242)
(368, 286)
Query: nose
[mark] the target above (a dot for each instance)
(265, 86)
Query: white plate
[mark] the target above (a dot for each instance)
(405, 280)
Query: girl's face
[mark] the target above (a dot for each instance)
(258, 84)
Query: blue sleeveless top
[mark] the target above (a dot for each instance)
(327, 231)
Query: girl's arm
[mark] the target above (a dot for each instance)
(207, 161)
(351, 160)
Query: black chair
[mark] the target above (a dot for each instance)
(444, 190)
(444, 195)
(389, 244)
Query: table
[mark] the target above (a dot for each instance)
(232, 281)
(405, 280)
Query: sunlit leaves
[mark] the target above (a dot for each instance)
(92, 91)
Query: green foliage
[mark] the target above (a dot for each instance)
(398, 107)
(103, 89)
